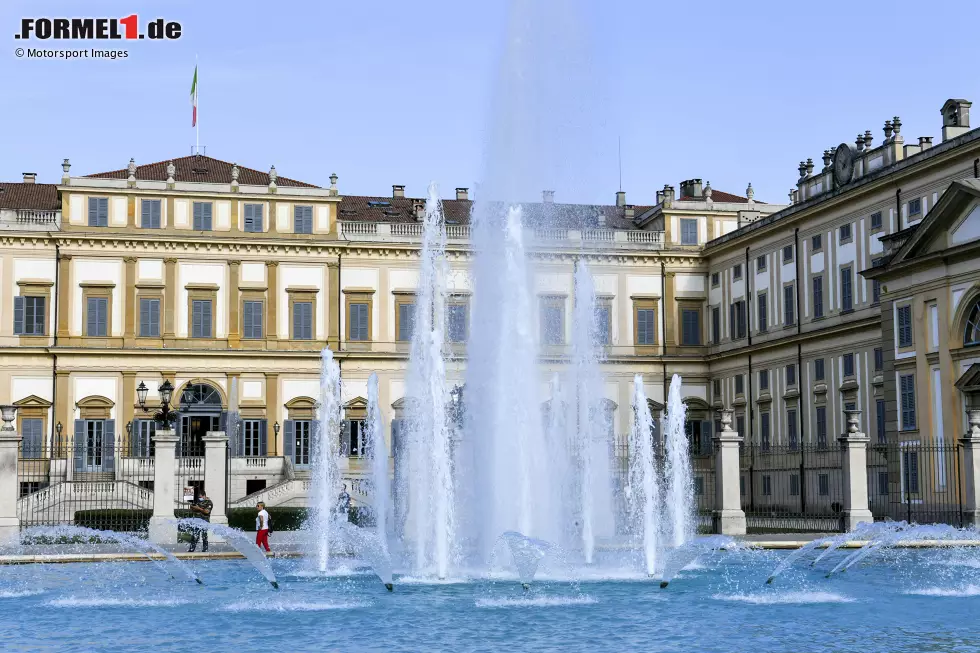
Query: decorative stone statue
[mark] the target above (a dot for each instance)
(171, 171)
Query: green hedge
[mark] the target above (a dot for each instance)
(120, 520)
(283, 519)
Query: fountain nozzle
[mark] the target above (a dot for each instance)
(275, 584)
(199, 581)
(769, 580)
(664, 584)
(389, 587)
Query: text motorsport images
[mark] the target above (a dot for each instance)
(91, 29)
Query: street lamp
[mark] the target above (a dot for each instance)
(141, 391)
(275, 427)
(165, 416)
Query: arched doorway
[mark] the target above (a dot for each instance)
(200, 411)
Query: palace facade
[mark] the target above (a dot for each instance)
(219, 278)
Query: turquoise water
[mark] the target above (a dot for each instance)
(899, 601)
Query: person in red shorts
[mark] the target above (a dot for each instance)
(262, 527)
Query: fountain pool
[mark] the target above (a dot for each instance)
(720, 603)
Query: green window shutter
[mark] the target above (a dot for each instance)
(263, 437)
(289, 439)
(18, 315)
(109, 446)
(78, 447)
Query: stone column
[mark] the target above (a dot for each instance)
(854, 446)
(9, 441)
(272, 304)
(215, 478)
(971, 470)
(234, 301)
(130, 305)
(64, 297)
(170, 294)
(729, 518)
(162, 529)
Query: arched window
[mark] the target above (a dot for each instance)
(200, 395)
(972, 334)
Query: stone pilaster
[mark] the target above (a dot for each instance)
(64, 296)
(215, 473)
(854, 446)
(729, 518)
(170, 294)
(670, 311)
(273, 412)
(130, 307)
(333, 306)
(9, 522)
(272, 304)
(234, 301)
(162, 529)
(971, 470)
(128, 407)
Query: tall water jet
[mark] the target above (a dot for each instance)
(234, 419)
(432, 491)
(378, 453)
(644, 478)
(677, 470)
(324, 451)
(591, 420)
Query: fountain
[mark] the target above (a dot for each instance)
(233, 425)
(644, 481)
(239, 541)
(526, 552)
(378, 454)
(325, 477)
(680, 512)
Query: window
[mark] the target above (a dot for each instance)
(764, 432)
(253, 437)
(846, 296)
(97, 317)
(302, 219)
(352, 439)
(848, 365)
(252, 320)
(300, 441)
(149, 318)
(787, 254)
(818, 369)
(766, 485)
(740, 424)
(915, 208)
(875, 291)
(253, 218)
(739, 384)
(791, 374)
(202, 216)
(879, 359)
(406, 321)
(29, 313)
(763, 379)
(553, 321)
(98, 211)
(789, 305)
(689, 231)
(690, 327)
(716, 324)
(907, 391)
(972, 334)
(822, 427)
(457, 315)
(698, 485)
(302, 320)
(845, 233)
(794, 485)
(816, 243)
(817, 296)
(910, 472)
(876, 220)
(716, 389)
(883, 483)
(201, 318)
(645, 316)
(792, 436)
(142, 445)
(715, 279)
(150, 214)
(905, 326)
(741, 486)
(737, 271)
(32, 434)
(823, 484)
(880, 420)
(359, 328)
(760, 264)
(763, 312)
(603, 324)
(737, 319)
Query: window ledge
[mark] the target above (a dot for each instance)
(764, 398)
(846, 311)
(820, 389)
(878, 379)
(739, 400)
(792, 393)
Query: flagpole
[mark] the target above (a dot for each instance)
(197, 122)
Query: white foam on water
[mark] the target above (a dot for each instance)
(536, 602)
(337, 572)
(16, 594)
(785, 598)
(426, 580)
(98, 602)
(958, 592)
(291, 606)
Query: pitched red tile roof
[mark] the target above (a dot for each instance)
(719, 196)
(203, 169)
(43, 197)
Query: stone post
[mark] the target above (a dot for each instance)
(971, 470)
(163, 530)
(729, 518)
(9, 441)
(215, 476)
(854, 447)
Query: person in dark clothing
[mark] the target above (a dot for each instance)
(343, 504)
(201, 508)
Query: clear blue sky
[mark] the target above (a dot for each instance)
(385, 92)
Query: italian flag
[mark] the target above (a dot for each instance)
(194, 98)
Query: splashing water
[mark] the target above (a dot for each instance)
(378, 453)
(325, 476)
(644, 482)
(526, 552)
(677, 470)
(239, 541)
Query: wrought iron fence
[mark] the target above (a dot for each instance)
(792, 488)
(916, 481)
(705, 493)
(99, 486)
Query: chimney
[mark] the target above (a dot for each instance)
(628, 211)
(667, 195)
(462, 193)
(621, 198)
(398, 191)
(548, 196)
(956, 118)
(925, 142)
(65, 178)
(30, 177)
(691, 188)
(418, 206)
